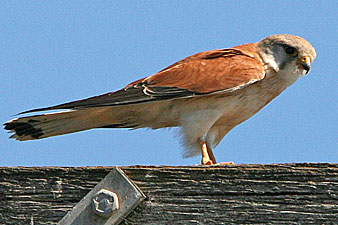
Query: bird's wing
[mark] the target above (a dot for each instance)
(224, 70)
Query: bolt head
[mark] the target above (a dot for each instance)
(104, 203)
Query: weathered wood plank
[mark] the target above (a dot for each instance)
(301, 193)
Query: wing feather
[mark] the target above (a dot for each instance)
(224, 70)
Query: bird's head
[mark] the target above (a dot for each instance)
(287, 54)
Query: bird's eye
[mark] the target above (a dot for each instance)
(291, 51)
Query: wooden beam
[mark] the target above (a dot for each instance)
(301, 193)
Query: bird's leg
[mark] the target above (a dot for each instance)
(208, 157)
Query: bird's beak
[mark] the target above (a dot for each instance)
(305, 62)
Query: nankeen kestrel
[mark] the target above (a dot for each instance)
(206, 95)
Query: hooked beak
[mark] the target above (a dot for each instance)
(305, 62)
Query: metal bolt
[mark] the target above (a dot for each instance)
(104, 203)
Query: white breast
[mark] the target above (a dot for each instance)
(210, 118)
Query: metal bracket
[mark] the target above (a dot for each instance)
(109, 202)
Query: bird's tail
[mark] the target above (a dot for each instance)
(52, 124)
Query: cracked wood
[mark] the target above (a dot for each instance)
(300, 193)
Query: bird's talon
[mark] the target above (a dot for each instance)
(225, 163)
(208, 163)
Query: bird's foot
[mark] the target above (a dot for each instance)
(208, 157)
(225, 163)
(206, 162)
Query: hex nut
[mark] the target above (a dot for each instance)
(104, 203)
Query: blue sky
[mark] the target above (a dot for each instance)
(53, 52)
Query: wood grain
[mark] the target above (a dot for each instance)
(302, 193)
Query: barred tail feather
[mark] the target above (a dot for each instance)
(51, 124)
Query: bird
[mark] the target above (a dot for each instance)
(205, 95)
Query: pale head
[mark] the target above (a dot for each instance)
(287, 54)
